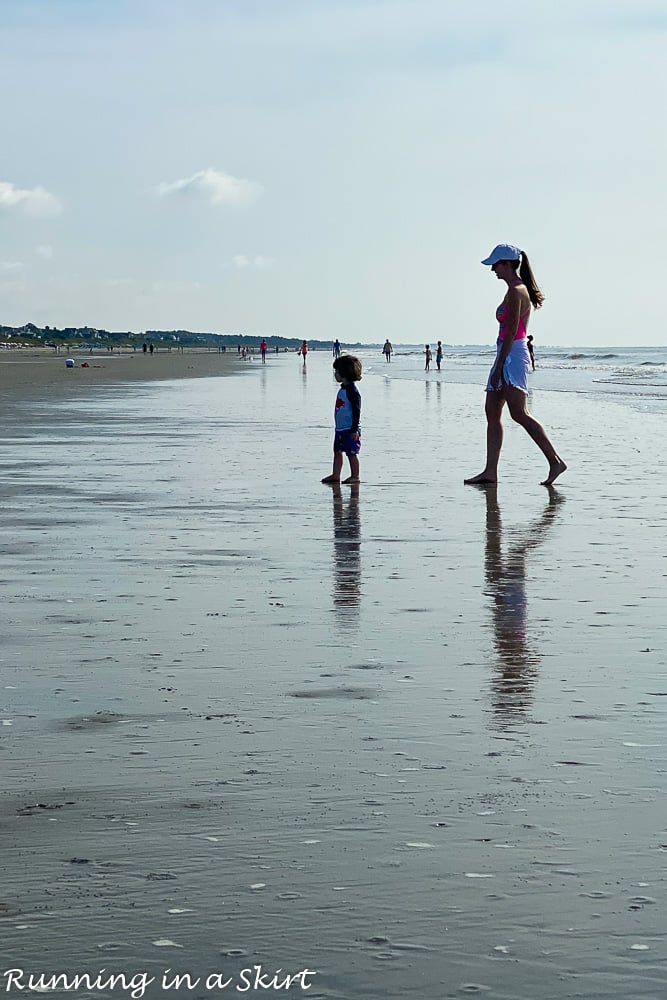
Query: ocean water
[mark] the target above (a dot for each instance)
(634, 375)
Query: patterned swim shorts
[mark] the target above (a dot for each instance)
(347, 442)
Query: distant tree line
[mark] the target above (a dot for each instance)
(88, 336)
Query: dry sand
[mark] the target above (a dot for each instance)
(42, 368)
(410, 736)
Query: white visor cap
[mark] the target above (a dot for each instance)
(504, 251)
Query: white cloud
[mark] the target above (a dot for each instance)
(176, 287)
(9, 287)
(35, 201)
(11, 266)
(259, 263)
(215, 186)
(45, 251)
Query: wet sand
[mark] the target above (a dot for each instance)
(410, 736)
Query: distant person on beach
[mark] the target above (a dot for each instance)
(508, 379)
(347, 416)
(151, 348)
(531, 350)
(303, 351)
(263, 348)
(144, 348)
(428, 355)
(336, 348)
(387, 350)
(438, 354)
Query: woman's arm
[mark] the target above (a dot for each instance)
(514, 302)
(512, 317)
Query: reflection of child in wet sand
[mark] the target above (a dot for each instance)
(347, 414)
(347, 553)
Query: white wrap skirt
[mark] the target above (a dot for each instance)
(516, 367)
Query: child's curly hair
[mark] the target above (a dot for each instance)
(349, 367)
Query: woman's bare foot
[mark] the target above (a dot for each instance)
(556, 469)
(481, 480)
(351, 481)
(330, 480)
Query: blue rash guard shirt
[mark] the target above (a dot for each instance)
(347, 413)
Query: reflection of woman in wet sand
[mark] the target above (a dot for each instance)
(347, 551)
(505, 575)
(508, 380)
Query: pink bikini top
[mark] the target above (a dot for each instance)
(500, 316)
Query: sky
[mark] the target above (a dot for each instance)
(333, 168)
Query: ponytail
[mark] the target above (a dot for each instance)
(528, 278)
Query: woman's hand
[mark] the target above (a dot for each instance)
(496, 379)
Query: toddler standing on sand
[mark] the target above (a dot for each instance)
(347, 414)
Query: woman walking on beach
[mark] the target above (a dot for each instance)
(508, 380)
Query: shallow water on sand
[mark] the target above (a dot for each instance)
(410, 736)
(633, 376)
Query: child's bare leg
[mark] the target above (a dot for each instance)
(354, 470)
(337, 468)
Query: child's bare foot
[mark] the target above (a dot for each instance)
(481, 480)
(330, 480)
(351, 481)
(556, 469)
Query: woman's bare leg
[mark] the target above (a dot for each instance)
(494, 440)
(516, 403)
